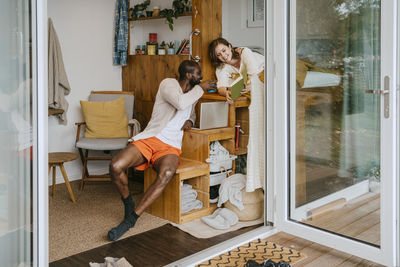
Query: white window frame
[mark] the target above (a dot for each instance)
(40, 110)
(251, 20)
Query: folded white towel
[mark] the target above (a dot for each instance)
(221, 219)
(112, 262)
(230, 189)
(187, 193)
(188, 206)
(191, 196)
(186, 187)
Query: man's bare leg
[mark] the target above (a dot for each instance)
(165, 167)
(130, 156)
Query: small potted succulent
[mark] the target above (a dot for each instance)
(161, 49)
(171, 50)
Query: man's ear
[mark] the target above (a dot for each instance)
(188, 76)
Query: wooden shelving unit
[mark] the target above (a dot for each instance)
(240, 151)
(196, 143)
(238, 113)
(168, 205)
(187, 14)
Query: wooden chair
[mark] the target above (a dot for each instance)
(85, 145)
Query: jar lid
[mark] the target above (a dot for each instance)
(156, 7)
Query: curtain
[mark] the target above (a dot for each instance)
(360, 131)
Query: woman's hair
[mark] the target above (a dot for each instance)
(211, 51)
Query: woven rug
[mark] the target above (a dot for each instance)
(257, 250)
(80, 226)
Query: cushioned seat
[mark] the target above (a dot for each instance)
(102, 144)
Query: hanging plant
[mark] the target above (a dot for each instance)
(178, 8)
(168, 14)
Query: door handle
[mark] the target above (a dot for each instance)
(386, 95)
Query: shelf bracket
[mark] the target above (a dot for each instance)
(195, 32)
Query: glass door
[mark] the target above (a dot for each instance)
(17, 155)
(340, 145)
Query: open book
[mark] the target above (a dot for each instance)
(238, 85)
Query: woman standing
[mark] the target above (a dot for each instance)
(230, 64)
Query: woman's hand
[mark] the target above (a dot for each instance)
(246, 89)
(225, 92)
(228, 96)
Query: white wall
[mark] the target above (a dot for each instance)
(234, 25)
(85, 31)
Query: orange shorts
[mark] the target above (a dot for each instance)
(152, 149)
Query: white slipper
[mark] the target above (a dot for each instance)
(230, 216)
(221, 219)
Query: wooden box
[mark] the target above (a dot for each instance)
(167, 206)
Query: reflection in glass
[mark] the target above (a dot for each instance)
(15, 134)
(337, 122)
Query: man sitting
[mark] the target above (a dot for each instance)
(160, 143)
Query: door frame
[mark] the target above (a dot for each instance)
(398, 131)
(387, 253)
(40, 111)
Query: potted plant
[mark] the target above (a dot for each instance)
(171, 50)
(178, 8)
(138, 10)
(161, 49)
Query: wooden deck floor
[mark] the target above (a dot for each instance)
(359, 218)
(318, 255)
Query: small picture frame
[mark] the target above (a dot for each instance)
(255, 13)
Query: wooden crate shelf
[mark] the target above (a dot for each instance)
(168, 206)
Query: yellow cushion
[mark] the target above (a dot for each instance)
(105, 119)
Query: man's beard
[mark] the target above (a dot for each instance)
(194, 82)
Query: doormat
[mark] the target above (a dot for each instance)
(258, 250)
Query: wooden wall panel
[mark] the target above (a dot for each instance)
(209, 21)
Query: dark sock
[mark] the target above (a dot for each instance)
(116, 232)
(129, 205)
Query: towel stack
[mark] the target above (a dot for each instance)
(188, 199)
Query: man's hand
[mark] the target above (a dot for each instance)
(208, 84)
(187, 125)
